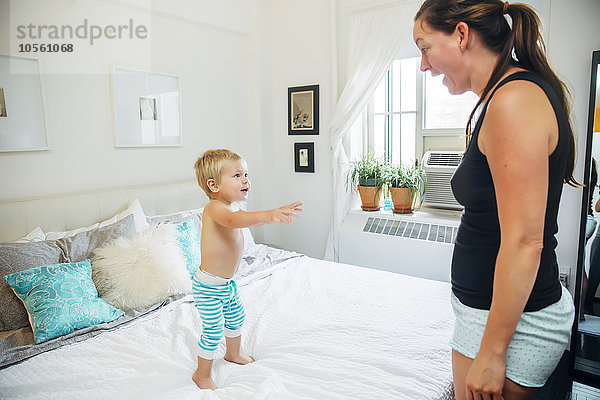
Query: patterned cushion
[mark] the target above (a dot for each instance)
(188, 239)
(60, 298)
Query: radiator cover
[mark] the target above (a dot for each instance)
(418, 244)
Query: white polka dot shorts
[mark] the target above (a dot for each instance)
(538, 344)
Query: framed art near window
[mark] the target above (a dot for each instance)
(303, 110)
(22, 105)
(147, 109)
(304, 157)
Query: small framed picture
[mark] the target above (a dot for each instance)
(303, 110)
(304, 157)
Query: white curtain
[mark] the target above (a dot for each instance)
(375, 35)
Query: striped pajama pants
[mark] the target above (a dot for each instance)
(221, 310)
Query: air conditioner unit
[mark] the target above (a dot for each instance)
(439, 166)
(418, 244)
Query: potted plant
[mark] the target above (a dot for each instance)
(366, 174)
(405, 183)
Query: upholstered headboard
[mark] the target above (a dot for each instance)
(74, 210)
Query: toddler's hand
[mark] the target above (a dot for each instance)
(284, 214)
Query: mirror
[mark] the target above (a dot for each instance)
(585, 342)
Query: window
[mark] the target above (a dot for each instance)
(412, 112)
(443, 111)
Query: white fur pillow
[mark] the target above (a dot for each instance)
(136, 273)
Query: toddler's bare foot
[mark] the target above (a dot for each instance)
(203, 383)
(239, 358)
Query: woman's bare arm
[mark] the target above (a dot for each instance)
(518, 134)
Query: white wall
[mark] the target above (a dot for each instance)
(294, 48)
(206, 43)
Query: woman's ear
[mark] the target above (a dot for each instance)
(212, 185)
(462, 33)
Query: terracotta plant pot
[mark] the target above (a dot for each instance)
(403, 199)
(370, 196)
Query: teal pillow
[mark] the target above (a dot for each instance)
(60, 298)
(188, 239)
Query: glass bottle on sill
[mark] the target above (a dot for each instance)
(387, 205)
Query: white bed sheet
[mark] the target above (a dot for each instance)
(317, 329)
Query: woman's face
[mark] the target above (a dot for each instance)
(441, 54)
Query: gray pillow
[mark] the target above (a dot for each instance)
(17, 257)
(81, 246)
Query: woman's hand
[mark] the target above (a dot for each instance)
(485, 379)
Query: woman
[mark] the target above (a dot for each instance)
(513, 317)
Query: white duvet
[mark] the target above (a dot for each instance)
(317, 329)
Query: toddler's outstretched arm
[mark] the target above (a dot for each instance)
(248, 219)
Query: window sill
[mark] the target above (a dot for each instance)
(423, 214)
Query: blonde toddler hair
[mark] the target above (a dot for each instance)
(208, 166)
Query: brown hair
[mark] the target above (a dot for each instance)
(208, 166)
(521, 46)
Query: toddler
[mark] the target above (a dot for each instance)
(223, 175)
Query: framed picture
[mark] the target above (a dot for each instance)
(23, 117)
(303, 110)
(304, 157)
(146, 108)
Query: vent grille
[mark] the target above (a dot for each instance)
(439, 159)
(439, 189)
(413, 230)
(439, 166)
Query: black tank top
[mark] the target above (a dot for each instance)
(478, 237)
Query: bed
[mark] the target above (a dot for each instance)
(317, 329)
